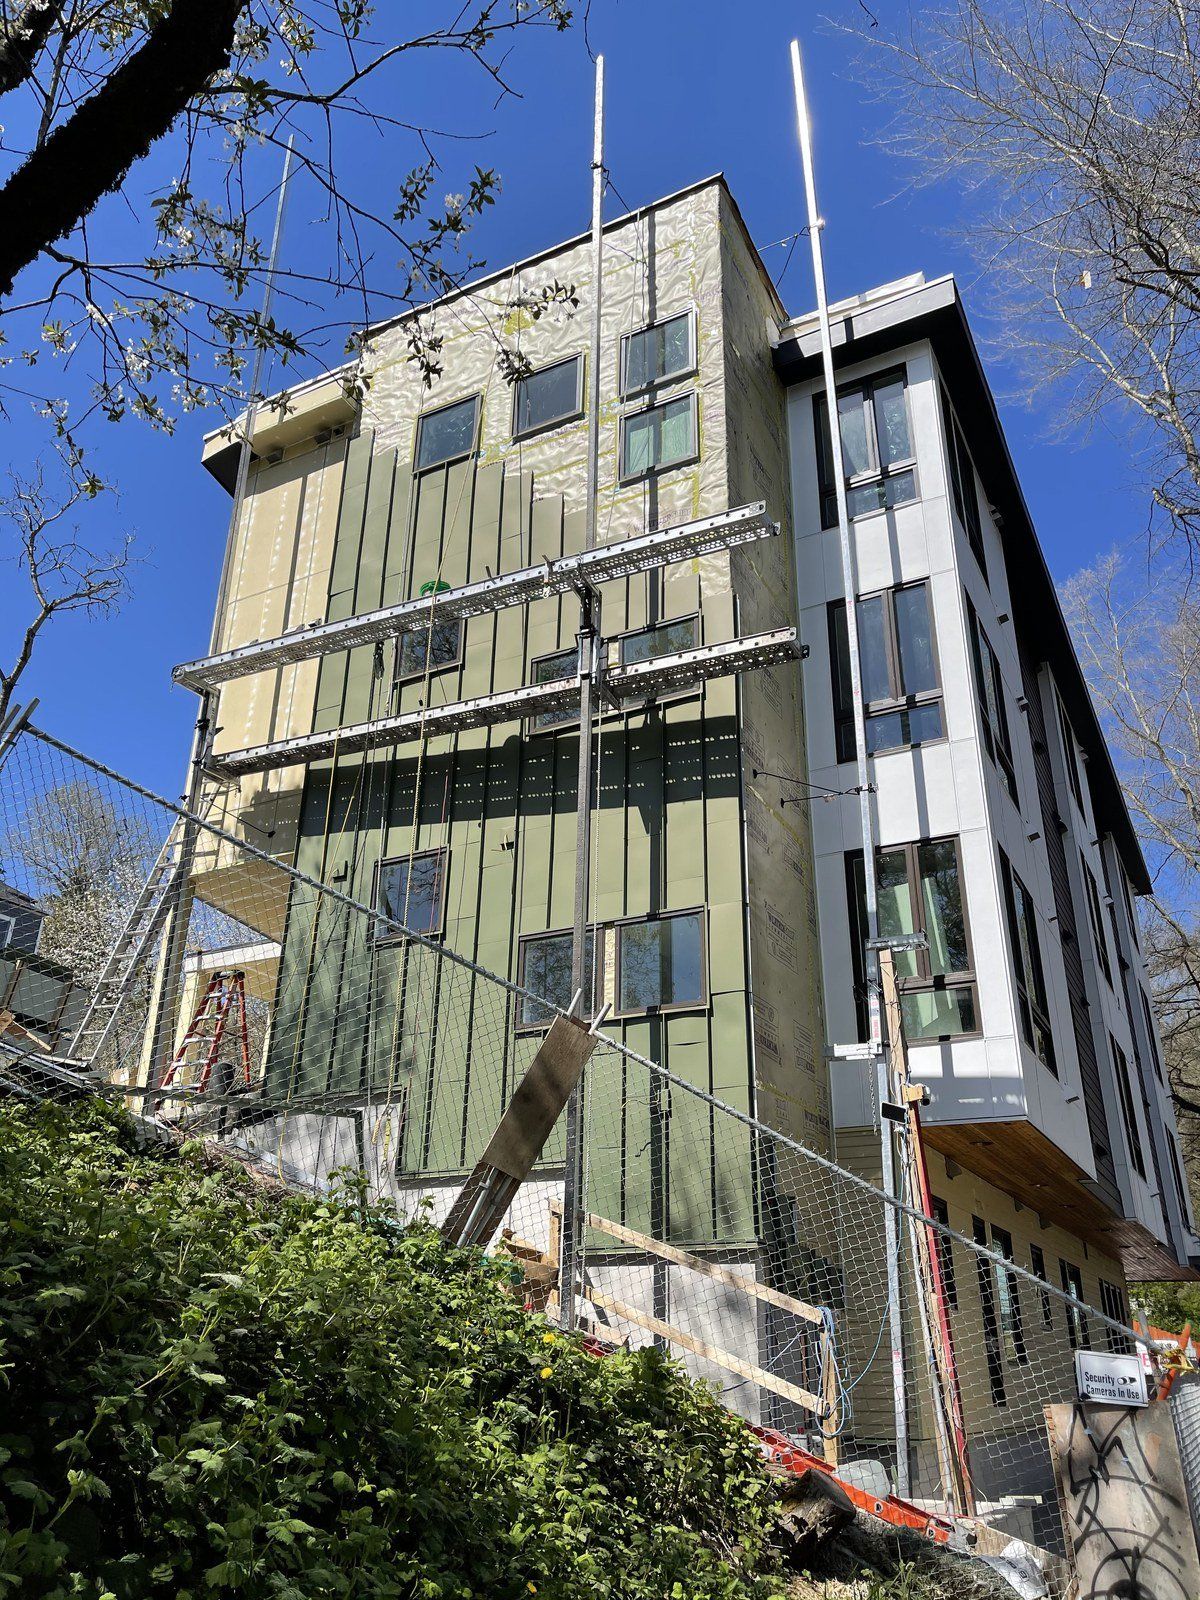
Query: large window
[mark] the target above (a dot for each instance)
(559, 664)
(411, 890)
(1072, 1283)
(547, 397)
(877, 452)
(991, 1318)
(962, 483)
(659, 437)
(1008, 1301)
(1037, 1262)
(447, 434)
(544, 968)
(1133, 1135)
(660, 963)
(1091, 893)
(1027, 966)
(658, 353)
(989, 688)
(920, 891)
(1112, 1303)
(660, 639)
(902, 691)
(432, 648)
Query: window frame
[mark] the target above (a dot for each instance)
(475, 399)
(618, 924)
(1133, 1134)
(530, 724)
(8, 929)
(996, 741)
(1095, 911)
(400, 679)
(1006, 1285)
(926, 981)
(573, 415)
(658, 404)
(407, 857)
(688, 371)
(964, 492)
(864, 387)
(939, 1210)
(523, 1024)
(1037, 1262)
(1114, 1304)
(1070, 749)
(619, 639)
(897, 703)
(1033, 1008)
(993, 1338)
(1071, 1279)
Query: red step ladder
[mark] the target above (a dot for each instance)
(202, 1041)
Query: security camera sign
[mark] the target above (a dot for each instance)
(1110, 1380)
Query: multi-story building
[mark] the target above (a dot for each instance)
(728, 926)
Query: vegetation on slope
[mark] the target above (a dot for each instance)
(206, 1386)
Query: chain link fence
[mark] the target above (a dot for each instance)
(223, 994)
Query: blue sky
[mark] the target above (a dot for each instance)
(689, 95)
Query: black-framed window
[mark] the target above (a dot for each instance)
(1113, 1304)
(447, 434)
(8, 926)
(1176, 1173)
(547, 397)
(658, 437)
(901, 683)
(429, 649)
(919, 891)
(990, 1313)
(552, 668)
(1070, 751)
(1008, 1301)
(544, 968)
(940, 1212)
(1091, 893)
(1027, 966)
(1072, 1284)
(660, 639)
(659, 353)
(411, 890)
(1037, 1263)
(962, 482)
(993, 711)
(877, 451)
(1133, 1135)
(660, 963)
(1151, 1034)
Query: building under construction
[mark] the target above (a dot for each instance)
(394, 699)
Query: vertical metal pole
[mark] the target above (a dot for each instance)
(589, 678)
(870, 955)
(163, 1028)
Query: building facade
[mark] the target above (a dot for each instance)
(727, 901)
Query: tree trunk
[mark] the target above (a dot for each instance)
(22, 39)
(89, 155)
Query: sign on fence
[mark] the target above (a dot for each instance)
(1110, 1380)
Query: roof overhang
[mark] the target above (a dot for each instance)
(933, 311)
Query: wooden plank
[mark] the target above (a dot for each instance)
(708, 1352)
(710, 1269)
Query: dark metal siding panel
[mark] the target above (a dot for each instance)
(1068, 929)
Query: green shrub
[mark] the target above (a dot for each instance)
(204, 1386)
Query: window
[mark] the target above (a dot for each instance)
(1012, 1327)
(551, 395)
(1070, 754)
(1027, 966)
(962, 483)
(661, 639)
(660, 962)
(662, 436)
(1096, 919)
(1128, 1114)
(7, 929)
(447, 434)
(877, 453)
(544, 968)
(432, 648)
(411, 890)
(1152, 1034)
(940, 1212)
(1072, 1284)
(991, 1322)
(655, 354)
(552, 668)
(1176, 1174)
(897, 654)
(1037, 1261)
(989, 688)
(920, 891)
(1112, 1303)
